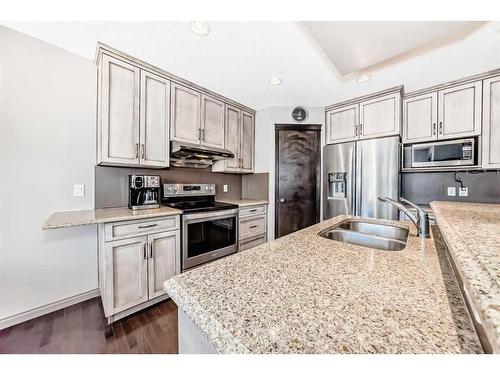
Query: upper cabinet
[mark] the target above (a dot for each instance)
(377, 115)
(240, 140)
(491, 123)
(380, 117)
(451, 112)
(185, 114)
(142, 108)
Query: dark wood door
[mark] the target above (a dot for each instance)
(297, 177)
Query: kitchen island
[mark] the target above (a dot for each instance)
(306, 294)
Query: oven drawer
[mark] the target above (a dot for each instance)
(252, 226)
(254, 210)
(126, 229)
(254, 242)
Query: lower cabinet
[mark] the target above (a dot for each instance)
(252, 226)
(132, 270)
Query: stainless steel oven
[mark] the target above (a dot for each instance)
(209, 228)
(208, 236)
(458, 152)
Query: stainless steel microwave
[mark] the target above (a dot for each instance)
(458, 152)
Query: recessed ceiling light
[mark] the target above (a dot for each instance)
(200, 28)
(364, 78)
(276, 81)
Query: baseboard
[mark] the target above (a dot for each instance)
(48, 308)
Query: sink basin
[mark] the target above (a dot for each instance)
(368, 234)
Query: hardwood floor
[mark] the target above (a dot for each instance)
(82, 328)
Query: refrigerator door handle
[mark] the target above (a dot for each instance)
(352, 198)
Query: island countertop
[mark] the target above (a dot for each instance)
(472, 234)
(306, 294)
(66, 219)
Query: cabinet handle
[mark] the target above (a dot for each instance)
(253, 210)
(150, 251)
(360, 129)
(199, 133)
(136, 150)
(434, 129)
(147, 226)
(203, 135)
(253, 227)
(356, 133)
(142, 151)
(440, 127)
(144, 250)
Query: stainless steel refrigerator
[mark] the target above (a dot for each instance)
(355, 174)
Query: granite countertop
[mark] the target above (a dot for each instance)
(104, 215)
(244, 202)
(472, 234)
(306, 294)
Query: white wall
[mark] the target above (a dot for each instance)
(47, 144)
(264, 145)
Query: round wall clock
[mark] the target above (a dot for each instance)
(299, 114)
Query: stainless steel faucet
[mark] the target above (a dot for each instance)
(421, 221)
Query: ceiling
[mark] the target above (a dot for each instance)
(358, 46)
(237, 59)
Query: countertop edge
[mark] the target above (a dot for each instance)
(449, 233)
(245, 202)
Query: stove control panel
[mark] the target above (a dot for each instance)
(170, 190)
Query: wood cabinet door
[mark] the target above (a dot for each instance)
(420, 118)
(380, 117)
(341, 124)
(185, 114)
(212, 122)
(118, 138)
(459, 111)
(491, 123)
(247, 142)
(126, 273)
(164, 262)
(154, 120)
(232, 138)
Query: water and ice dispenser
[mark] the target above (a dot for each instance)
(337, 185)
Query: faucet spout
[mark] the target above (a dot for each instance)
(421, 220)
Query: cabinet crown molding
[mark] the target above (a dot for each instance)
(392, 90)
(104, 49)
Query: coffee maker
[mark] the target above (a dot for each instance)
(144, 192)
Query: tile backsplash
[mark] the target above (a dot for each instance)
(422, 188)
(111, 183)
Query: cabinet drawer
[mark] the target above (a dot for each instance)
(254, 210)
(253, 242)
(252, 226)
(126, 229)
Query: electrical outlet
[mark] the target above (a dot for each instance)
(463, 191)
(78, 190)
(225, 188)
(452, 191)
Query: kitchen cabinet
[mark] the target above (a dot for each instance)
(212, 122)
(133, 116)
(135, 258)
(118, 112)
(450, 112)
(341, 124)
(491, 123)
(420, 118)
(459, 111)
(252, 226)
(186, 109)
(154, 120)
(371, 116)
(380, 117)
(240, 140)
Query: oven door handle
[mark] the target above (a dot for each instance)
(210, 215)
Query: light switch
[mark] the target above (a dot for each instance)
(452, 191)
(463, 191)
(225, 188)
(78, 190)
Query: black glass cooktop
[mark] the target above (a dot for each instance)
(197, 204)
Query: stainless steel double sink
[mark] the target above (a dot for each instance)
(368, 234)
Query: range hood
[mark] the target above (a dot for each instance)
(190, 155)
